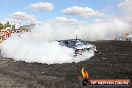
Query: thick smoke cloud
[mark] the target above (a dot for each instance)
(67, 29)
(40, 44)
(102, 29)
(109, 29)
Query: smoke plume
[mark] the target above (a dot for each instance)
(40, 44)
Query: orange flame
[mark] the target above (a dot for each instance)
(84, 73)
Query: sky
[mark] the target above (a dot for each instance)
(88, 11)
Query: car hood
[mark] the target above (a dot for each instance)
(84, 46)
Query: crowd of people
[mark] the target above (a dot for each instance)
(6, 33)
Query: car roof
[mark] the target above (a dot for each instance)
(71, 40)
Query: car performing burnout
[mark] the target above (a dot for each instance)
(78, 45)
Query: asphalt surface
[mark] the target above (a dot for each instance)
(113, 60)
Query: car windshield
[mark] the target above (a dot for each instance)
(76, 43)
